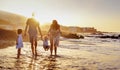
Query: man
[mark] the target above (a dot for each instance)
(32, 26)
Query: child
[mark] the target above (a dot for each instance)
(19, 42)
(45, 43)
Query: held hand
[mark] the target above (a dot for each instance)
(25, 34)
(48, 34)
(16, 43)
(41, 38)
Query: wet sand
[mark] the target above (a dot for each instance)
(67, 59)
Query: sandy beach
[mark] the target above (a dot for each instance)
(89, 32)
(87, 57)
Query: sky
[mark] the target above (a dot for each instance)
(104, 15)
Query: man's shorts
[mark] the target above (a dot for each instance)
(33, 38)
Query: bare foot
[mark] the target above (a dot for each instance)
(18, 57)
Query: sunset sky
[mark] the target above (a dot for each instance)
(104, 15)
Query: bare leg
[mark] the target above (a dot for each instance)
(19, 52)
(55, 48)
(51, 49)
(36, 48)
(56, 44)
(51, 46)
(32, 47)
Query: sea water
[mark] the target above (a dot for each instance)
(92, 44)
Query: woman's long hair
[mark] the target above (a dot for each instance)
(55, 25)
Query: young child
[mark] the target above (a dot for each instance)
(45, 43)
(19, 42)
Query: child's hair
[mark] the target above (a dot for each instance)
(45, 37)
(19, 31)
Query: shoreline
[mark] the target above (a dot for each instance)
(67, 59)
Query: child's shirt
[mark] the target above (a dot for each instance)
(45, 42)
(19, 41)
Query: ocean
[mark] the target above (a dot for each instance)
(92, 44)
(90, 53)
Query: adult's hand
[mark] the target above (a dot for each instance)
(42, 38)
(24, 34)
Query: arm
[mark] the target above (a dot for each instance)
(39, 30)
(17, 41)
(60, 31)
(26, 29)
(49, 31)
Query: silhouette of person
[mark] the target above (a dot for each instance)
(32, 26)
(54, 33)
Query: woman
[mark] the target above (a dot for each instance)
(54, 33)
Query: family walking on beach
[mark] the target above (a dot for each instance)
(32, 27)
